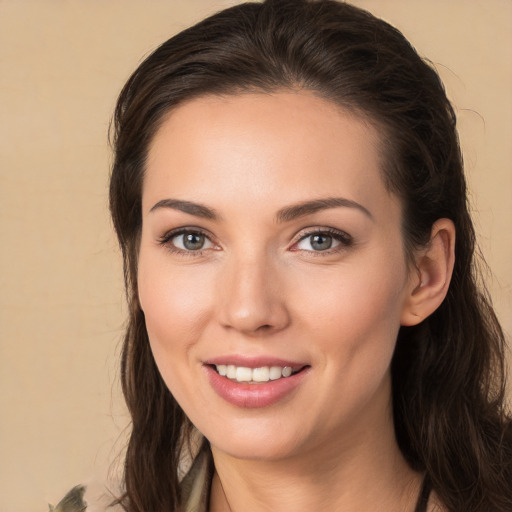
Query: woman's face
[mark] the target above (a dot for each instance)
(270, 245)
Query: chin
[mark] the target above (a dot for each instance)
(254, 451)
(256, 443)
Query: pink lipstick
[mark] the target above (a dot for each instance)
(254, 382)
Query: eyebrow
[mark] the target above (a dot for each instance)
(196, 209)
(308, 207)
(286, 214)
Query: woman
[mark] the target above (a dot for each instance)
(305, 324)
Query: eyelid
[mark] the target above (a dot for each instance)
(165, 240)
(345, 240)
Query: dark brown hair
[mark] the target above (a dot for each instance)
(448, 372)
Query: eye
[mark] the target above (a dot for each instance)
(317, 242)
(187, 241)
(323, 241)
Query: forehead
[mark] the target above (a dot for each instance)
(266, 146)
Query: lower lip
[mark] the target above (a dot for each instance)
(257, 395)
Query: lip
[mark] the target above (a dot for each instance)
(254, 362)
(252, 396)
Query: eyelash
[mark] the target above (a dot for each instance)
(166, 239)
(344, 239)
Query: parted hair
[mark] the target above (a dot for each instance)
(448, 379)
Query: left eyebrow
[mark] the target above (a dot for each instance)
(308, 207)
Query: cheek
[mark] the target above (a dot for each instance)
(354, 310)
(176, 302)
(177, 305)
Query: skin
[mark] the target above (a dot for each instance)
(259, 288)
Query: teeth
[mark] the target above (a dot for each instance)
(261, 374)
(231, 371)
(287, 371)
(244, 374)
(276, 372)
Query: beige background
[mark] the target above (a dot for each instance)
(61, 300)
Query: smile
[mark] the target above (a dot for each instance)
(254, 383)
(254, 375)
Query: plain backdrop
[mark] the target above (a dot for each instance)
(62, 63)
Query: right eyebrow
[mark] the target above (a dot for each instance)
(196, 209)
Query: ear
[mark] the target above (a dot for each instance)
(434, 267)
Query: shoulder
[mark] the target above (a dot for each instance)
(91, 497)
(195, 486)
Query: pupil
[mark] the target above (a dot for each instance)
(321, 242)
(193, 241)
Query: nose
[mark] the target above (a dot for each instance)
(252, 297)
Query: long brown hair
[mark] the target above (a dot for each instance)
(448, 372)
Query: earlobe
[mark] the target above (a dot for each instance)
(434, 267)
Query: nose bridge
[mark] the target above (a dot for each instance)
(253, 298)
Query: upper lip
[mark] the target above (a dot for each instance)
(253, 361)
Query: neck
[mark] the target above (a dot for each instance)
(360, 470)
